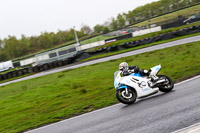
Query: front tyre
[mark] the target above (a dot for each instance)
(126, 98)
(166, 86)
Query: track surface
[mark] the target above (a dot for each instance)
(160, 113)
(139, 51)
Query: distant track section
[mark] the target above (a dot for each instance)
(139, 51)
(66, 58)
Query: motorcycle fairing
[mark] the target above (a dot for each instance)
(136, 74)
(129, 82)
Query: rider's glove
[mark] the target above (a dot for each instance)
(125, 73)
(131, 71)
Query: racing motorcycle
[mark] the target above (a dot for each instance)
(134, 86)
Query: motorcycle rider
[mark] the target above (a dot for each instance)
(127, 70)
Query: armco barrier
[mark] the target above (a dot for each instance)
(146, 31)
(16, 64)
(173, 24)
(166, 36)
(84, 55)
(91, 45)
(119, 38)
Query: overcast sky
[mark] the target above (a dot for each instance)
(31, 17)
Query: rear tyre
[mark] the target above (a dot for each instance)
(124, 98)
(168, 85)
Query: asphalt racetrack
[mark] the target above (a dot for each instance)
(139, 51)
(160, 113)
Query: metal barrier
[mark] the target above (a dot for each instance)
(65, 59)
(57, 58)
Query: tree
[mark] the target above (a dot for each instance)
(1, 44)
(2, 53)
(87, 30)
(113, 24)
(195, 1)
(2, 56)
(98, 28)
(80, 34)
(33, 43)
(130, 17)
(45, 41)
(25, 42)
(105, 29)
(14, 48)
(121, 20)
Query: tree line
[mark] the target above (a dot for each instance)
(142, 13)
(12, 47)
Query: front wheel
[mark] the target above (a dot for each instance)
(128, 97)
(166, 86)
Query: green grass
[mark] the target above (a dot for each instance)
(184, 12)
(39, 101)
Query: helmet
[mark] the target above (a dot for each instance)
(123, 66)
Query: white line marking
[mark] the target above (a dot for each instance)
(183, 130)
(196, 77)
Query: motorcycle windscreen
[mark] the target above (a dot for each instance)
(117, 78)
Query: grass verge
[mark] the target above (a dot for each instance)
(184, 12)
(39, 101)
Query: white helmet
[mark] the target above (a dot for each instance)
(123, 66)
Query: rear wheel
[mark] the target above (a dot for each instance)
(126, 98)
(166, 86)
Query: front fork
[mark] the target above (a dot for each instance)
(126, 90)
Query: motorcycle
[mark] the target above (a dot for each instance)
(134, 86)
